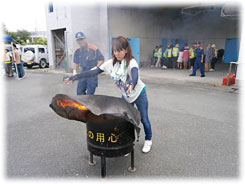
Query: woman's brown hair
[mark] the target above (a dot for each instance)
(121, 43)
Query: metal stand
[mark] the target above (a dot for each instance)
(103, 167)
(231, 63)
(132, 168)
(91, 160)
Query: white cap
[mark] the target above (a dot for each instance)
(213, 45)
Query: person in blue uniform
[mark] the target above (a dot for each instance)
(199, 60)
(88, 57)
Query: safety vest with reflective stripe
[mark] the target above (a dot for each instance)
(175, 51)
(155, 53)
(169, 53)
(159, 53)
(216, 52)
(192, 53)
(9, 61)
(164, 54)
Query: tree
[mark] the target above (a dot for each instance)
(40, 41)
(12, 34)
(18, 36)
(23, 35)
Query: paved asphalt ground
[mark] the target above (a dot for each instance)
(195, 133)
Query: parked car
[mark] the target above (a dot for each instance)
(35, 55)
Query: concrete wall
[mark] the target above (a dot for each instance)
(209, 27)
(92, 20)
(99, 22)
(134, 23)
(152, 25)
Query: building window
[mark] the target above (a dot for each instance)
(51, 7)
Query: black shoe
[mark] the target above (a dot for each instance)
(192, 75)
(202, 76)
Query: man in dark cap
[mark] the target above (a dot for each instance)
(199, 60)
(88, 57)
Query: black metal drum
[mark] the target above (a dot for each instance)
(109, 136)
(111, 123)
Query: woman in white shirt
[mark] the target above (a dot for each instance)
(180, 59)
(123, 69)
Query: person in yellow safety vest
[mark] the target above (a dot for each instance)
(159, 57)
(168, 55)
(154, 56)
(216, 53)
(164, 59)
(7, 58)
(215, 57)
(192, 52)
(175, 53)
(164, 54)
(155, 51)
(169, 52)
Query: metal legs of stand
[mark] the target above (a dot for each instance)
(132, 168)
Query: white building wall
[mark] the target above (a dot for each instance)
(89, 19)
(58, 19)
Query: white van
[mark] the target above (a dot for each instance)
(35, 55)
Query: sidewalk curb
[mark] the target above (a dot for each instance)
(155, 79)
(186, 83)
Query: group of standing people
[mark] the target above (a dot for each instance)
(13, 59)
(186, 57)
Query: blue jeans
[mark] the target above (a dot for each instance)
(213, 62)
(174, 62)
(87, 86)
(198, 64)
(20, 69)
(142, 105)
(170, 63)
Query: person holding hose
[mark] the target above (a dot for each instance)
(123, 69)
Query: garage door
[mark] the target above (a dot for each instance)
(232, 46)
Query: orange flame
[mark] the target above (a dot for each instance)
(67, 102)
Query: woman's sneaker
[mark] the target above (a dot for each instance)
(147, 146)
